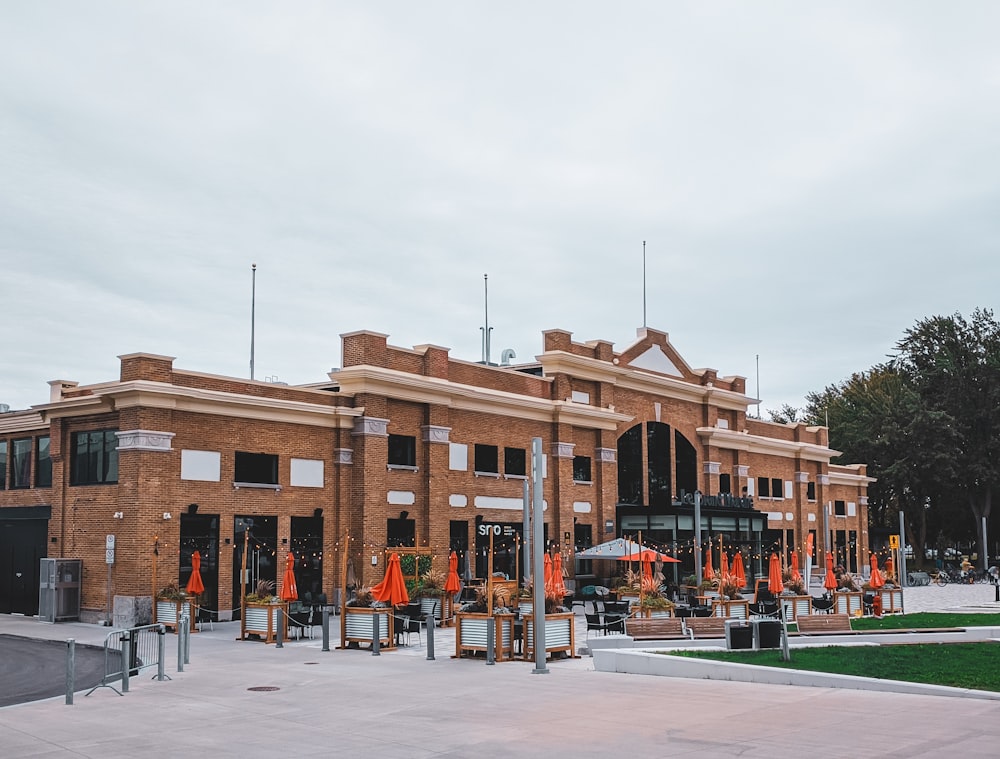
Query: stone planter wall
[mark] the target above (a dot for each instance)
(168, 612)
(470, 634)
(262, 620)
(357, 626)
(560, 634)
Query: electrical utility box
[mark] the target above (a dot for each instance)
(59, 590)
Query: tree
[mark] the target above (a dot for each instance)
(877, 417)
(785, 415)
(954, 365)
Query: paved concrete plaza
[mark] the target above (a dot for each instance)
(350, 703)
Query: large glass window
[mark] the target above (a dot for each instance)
(486, 459)
(687, 464)
(20, 470)
(658, 452)
(401, 532)
(515, 462)
(93, 458)
(725, 484)
(306, 545)
(43, 463)
(581, 469)
(630, 466)
(258, 468)
(402, 450)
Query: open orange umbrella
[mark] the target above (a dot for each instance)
(830, 581)
(707, 573)
(739, 571)
(558, 585)
(289, 590)
(774, 582)
(195, 585)
(876, 580)
(648, 554)
(392, 589)
(452, 584)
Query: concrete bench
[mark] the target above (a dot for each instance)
(824, 624)
(657, 628)
(705, 627)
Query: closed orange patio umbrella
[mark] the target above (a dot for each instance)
(708, 573)
(774, 582)
(723, 564)
(739, 571)
(392, 589)
(796, 575)
(876, 580)
(558, 584)
(830, 581)
(289, 590)
(195, 586)
(890, 568)
(452, 585)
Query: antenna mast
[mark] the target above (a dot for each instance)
(486, 329)
(758, 386)
(253, 307)
(644, 284)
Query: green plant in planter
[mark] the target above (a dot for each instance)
(431, 584)
(171, 592)
(263, 593)
(655, 602)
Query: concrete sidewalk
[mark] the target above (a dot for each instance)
(352, 703)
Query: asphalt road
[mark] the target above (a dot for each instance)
(35, 669)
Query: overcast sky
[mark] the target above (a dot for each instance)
(810, 180)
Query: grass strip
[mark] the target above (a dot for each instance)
(959, 665)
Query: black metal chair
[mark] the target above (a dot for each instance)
(614, 623)
(822, 605)
(701, 611)
(682, 612)
(407, 621)
(593, 623)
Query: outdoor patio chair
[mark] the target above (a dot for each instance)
(614, 623)
(594, 623)
(701, 611)
(822, 605)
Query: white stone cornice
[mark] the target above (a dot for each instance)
(436, 434)
(563, 450)
(606, 455)
(436, 391)
(371, 425)
(742, 441)
(802, 476)
(343, 455)
(823, 479)
(144, 440)
(14, 422)
(114, 396)
(742, 470)
(630, 378)
(712, 467)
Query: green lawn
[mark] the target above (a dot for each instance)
(926, 619)
(960, 665)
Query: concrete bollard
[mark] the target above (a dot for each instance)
(326, 628)
(490, 641)
(279, 634)
(186, 625)
(376, 635)
(70, 670)
(180, 645)
(430, 639)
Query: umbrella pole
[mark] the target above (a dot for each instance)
(640, 569)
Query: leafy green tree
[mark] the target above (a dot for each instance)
(954, 365)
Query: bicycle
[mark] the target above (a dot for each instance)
(941, 578)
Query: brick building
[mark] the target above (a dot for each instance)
(403, 447)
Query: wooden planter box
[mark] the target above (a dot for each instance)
(263, 620)
(649, 614)
(848, 602)
(169, 612)
(470, 634)
(731, 609)
(357, 626)
(560, 634)
(794, 607)
(892, 600)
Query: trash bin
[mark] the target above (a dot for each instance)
(738, 634)
(767, 633)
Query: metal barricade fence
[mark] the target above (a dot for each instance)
(127, 652)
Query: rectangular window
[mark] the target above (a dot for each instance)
(3, 464)
(401, 532)
(20, 470)
(810, 491)
(486, 459)
(256, 468)
(725, 484)
(839, 509)
(581, 469)
(776, 490)
(763, 487)
(93, 458)
(402, 450)
(43, 464)
(515, 462)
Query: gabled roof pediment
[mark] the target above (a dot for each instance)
(652, 352)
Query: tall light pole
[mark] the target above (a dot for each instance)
(253, 308)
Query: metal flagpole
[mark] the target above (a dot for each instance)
(253, 308)
(538, 546)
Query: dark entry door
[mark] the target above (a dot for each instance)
(260, 535)
(22, 545)
(200, 532)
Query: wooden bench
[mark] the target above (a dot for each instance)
(705, 627)
(656, 628)
(824, 624)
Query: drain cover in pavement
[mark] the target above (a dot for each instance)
(264, 688)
